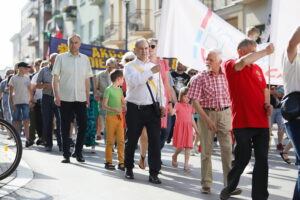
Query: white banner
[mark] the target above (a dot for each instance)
(284, 21)
(188, 28)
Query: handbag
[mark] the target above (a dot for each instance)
(155, 104)
(290, 107)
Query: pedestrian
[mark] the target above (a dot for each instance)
(20, 95)
(276, 117)
(210, 98)
(35, 113)
(103, 81)
(113, 101)
(144, 92)
(4, 95)
(291, 77)
(49, 109)
(71, 85)
(251, 107)
(92, 114)
(183, 130)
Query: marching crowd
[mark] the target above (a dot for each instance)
(139, 100)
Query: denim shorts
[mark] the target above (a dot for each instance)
(21, 112)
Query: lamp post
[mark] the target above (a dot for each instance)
(127, 22)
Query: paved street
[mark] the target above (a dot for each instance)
(57, 181)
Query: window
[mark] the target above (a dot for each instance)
(91, 28)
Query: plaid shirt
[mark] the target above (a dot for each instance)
(211, 91)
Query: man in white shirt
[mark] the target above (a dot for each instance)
(140, 109)
(71, 86)
(291, 82)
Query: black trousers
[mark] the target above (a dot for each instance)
(49, 109)
(136, 119)
(260, 138)
(36, 122)
(67, 111)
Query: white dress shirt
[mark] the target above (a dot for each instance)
(137, 91)
(72, 71)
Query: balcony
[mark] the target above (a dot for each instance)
(33, 12)
(97, 2)
(70, 12)
(55, 20)
(139, 23)
(112, 35)
(33, 40)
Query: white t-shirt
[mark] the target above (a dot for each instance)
(20, 85)
(291, 74)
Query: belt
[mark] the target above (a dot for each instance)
(216, 109)
(140, 107)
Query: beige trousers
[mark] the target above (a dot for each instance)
(222, 120)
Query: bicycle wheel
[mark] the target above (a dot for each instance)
(10, 149)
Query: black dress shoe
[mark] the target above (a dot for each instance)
(78, 157)
(66, 160)
(154, 179)
(129, 174)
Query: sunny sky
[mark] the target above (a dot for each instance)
(10, 21)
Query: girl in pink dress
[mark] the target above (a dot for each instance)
(183, 129)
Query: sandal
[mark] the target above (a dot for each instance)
(287, 160)
(109, 166)
(174, 162)
(142, 162)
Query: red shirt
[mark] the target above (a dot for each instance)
(246, 89)
(210, 90)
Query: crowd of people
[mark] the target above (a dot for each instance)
(139, 100)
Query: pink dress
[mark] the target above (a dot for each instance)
(183, 129)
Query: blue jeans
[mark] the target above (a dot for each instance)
(21, 112)
(293, 131)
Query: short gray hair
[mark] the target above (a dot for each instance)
(140, 41)
(111, 60)
(128, 55)
(246, 42)
(218, 52)
(74, 35)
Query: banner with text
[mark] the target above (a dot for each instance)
(97, 55)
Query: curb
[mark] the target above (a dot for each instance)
(20, 178)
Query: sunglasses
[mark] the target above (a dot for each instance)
(128, 59)
(152, 46)
(192, 74)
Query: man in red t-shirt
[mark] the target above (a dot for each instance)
(250, 110)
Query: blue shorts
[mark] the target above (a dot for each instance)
(21, 112)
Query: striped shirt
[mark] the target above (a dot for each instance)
(210, 90)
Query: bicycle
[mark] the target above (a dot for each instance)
(10, 149)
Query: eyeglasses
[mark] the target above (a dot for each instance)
(128, 59)
(152, 46)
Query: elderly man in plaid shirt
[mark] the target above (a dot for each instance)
(210, 98)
